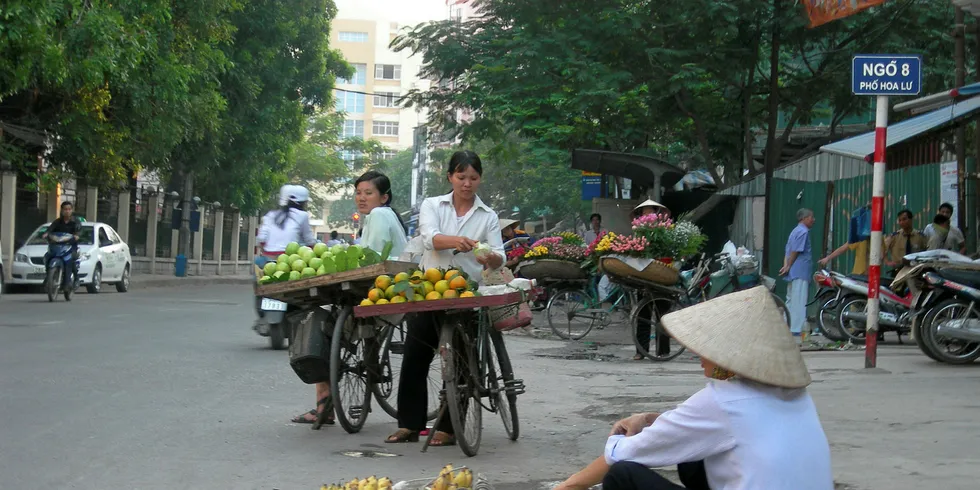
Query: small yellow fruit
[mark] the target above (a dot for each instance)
(398, 299)
(442, 286)
(433, 275)
(433, 296)
(419, 297)
(375, 294)
(381, 301)
(450, 273)
(382, 282)
(367, 302)
(428, 287)
(457, 283)
(467, 294)
(390, 292)
(401, 277)
(417, 277)
(450, 294)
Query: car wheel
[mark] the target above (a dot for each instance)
(95, 287)
(123, 285)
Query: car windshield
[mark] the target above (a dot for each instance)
(85, 237)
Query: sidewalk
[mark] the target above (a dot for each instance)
(146, 281)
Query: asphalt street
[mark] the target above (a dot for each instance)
(169, 388)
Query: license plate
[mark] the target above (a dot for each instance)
(273, 305)
(39, 270)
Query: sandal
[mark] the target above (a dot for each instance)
(325, 416)
(443, 440)
(638, 357)
(403, 435)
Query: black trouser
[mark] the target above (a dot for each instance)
(646, 322)
(633, 476)
(421, 342)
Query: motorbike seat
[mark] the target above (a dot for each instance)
(965, 277)
(885, 278)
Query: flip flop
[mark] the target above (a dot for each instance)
(449, 441)
(301, 419)
(402, 436)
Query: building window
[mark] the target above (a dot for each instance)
(360, 75)
(385, 128)
(350, 102)
(388, 154)
(352, 129)
(350, 157)
(388, 72)
(386, 99)
(353, 37)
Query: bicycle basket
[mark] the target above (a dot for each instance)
(509, 317)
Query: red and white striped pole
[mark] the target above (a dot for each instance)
(877, 220)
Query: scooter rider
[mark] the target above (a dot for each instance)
(289, 223)
(66, 223)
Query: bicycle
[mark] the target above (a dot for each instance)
(573, 311)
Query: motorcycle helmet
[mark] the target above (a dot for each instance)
(284, 193)
(299, 194)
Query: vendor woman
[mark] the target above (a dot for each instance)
(450, 226)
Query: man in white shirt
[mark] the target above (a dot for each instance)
(955, 237)
(595, 230)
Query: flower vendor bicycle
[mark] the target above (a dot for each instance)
(575, 310)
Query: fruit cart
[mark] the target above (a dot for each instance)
(475, 363)
(355, 343)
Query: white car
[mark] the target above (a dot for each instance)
(103, 258)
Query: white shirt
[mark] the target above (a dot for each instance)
(954, 240)
(381, 225)
(438, 217)
(295, 229)
(751, 437)
(589, 236)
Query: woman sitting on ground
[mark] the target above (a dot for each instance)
(754, 427)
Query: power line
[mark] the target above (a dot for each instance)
(388, 94)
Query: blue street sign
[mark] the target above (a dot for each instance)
(886, 74)
(591, 185)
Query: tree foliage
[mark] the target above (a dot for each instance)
(627, 75)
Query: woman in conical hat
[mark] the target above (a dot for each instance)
(649, 207)
(753, 427)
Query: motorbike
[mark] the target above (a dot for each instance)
(945, 292)
(61, 250)
(828, 296)
(894, 310)
(273, 315)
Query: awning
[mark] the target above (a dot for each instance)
(642, 170)
(863, 146)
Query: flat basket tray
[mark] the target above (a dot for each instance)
(439, 305)
(303, 291)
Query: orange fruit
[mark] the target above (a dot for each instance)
(467, 294)
(450, 273)
(390, 292)
(432, 275)
(375, 294)
(417, 277)
(450, 294)
(398, 299)
(382, 282)
(401, 277)
(433, 296)
(457, 282)
(419, 297)
(428, 287)
(367, 302)
(381, 301)
(442, 286)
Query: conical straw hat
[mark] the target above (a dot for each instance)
(743, 332)
(649, 202)
(504, 222)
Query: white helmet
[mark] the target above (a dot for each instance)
(294, 193)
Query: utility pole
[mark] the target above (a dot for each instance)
(772, 147)
(959, 33)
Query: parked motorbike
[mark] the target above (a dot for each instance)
(59, 278)
(829, 294)
(945, 317)
(894, 309)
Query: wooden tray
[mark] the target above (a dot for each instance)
(309, 291)
(439, 305)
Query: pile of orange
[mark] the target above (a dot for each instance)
(417, 285)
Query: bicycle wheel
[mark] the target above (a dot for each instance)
(460, 374)
(782, 307)
(385, 387)
(349, 388)
(503, 387)
(568, 314)
(647, 327)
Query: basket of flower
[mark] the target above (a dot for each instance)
(651, 253)
(556, 257)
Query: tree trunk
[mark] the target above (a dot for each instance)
(772, 146)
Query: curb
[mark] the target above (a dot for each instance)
(169, 282)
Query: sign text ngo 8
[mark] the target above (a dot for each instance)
(874, 74)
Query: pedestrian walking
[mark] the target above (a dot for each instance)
(797, 268)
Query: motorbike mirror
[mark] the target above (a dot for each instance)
(933, 278)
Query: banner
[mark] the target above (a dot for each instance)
(824, 11)
(948, 189)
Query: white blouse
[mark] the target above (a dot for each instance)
(296, 228)
(381, 225)
(751, 437)
(438, 217)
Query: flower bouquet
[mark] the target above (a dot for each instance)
(650, 252)
(554, 257)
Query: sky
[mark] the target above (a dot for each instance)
(405, 12)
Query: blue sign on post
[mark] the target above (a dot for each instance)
(591, 185)
(886, 74)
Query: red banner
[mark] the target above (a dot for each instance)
(824, 11)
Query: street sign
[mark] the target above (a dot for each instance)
(591, 185)
(886, 74)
